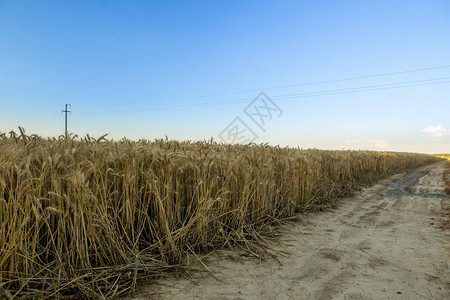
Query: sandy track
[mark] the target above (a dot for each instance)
(385, 243)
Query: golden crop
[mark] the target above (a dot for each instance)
(89, 217)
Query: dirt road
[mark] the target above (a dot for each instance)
(385, 243)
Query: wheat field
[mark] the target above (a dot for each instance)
(88, 218)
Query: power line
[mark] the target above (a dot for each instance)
(333, 91)
(366, 90)
(346, 79)
(306, 95)
(294, 85)
(374, 86)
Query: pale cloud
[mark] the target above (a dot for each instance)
(379, 144)
(436, 131)
(352, 142)
(367, 144)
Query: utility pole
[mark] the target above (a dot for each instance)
(66, 111)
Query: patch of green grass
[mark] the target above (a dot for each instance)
(447, 156)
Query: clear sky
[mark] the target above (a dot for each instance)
(186, 69)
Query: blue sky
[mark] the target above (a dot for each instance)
(147, 69)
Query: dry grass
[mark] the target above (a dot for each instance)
(87, 217)
(445, 205)
(447, 178)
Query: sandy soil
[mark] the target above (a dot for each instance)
(385, 243)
